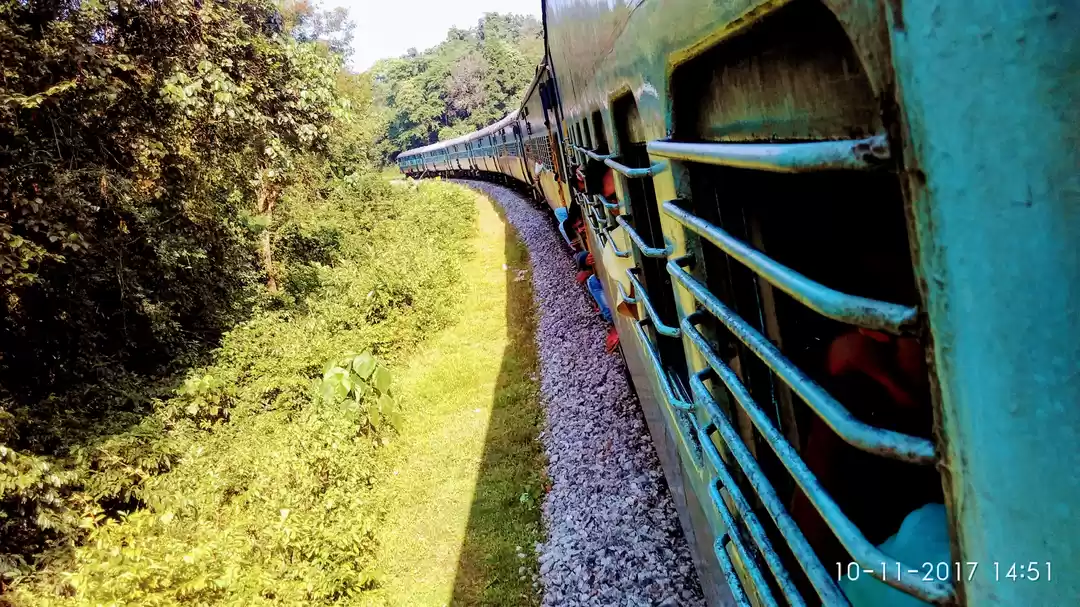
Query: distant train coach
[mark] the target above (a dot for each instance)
(837, 242)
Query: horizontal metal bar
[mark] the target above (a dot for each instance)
(661, 375)
(851, 154)
(860, 311)
(591, 220)
(861, 550)
(622, 293)
(601, 220)
(615, 248)
(734, 583)
(884, 442)
(750, 519)
(645, 249)
(611, 206)
(632, 173)
(592, 154)
(749, 562)
(658, 324)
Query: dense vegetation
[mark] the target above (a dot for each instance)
(473, 78)
(205, 283)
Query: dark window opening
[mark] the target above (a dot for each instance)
(796, 77)
(645, 217)
(598, 131)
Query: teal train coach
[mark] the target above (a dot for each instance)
(842, 242)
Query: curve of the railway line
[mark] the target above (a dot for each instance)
(613, 535)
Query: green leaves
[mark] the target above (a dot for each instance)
(367, 382)
(382, 379)
(364, 365)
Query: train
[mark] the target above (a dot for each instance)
(839, 238)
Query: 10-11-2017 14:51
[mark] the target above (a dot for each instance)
(1032, 571)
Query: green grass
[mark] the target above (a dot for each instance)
(463, 494)
(392, 172)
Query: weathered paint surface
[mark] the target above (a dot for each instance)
(991, 104)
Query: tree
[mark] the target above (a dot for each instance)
(473, 78)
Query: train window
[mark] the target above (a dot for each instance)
(545, 101)
(645, 216)
(585, 133)
(598, 131)
(796, 77)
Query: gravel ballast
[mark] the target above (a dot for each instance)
(613, 536)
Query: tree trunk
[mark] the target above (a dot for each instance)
(268, 193)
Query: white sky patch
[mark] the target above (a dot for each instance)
(388, 28)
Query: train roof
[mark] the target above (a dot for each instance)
(491, 128)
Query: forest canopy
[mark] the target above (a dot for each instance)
(473, 78)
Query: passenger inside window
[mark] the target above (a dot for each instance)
(882, 380)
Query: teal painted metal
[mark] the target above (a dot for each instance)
(984, 131)
(991, 98)
(883, 442)
(658, 370)
(852, 309)
(659, 325)
(592, 154)
(631, 173)
(615, 248)
(645, 249)
(622, 293)
(737, 592)
(749, 561)
(822, 580)
(725, 479)
(861, 550)
(611, 206)
(858, 154)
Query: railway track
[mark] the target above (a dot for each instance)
(613, 535)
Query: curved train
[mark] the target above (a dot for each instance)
(839, 241)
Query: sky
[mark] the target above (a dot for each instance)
(388, 28)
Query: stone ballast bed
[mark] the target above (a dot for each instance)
(613, 536)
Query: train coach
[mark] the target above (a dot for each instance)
(841, 240)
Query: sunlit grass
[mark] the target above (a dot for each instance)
(463, 496)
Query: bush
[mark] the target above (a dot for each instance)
(251, 483)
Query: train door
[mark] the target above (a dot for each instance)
(551, 180)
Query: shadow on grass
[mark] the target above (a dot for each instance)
(505, 512)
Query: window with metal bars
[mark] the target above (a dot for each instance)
(816, 396)
(645, 219)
